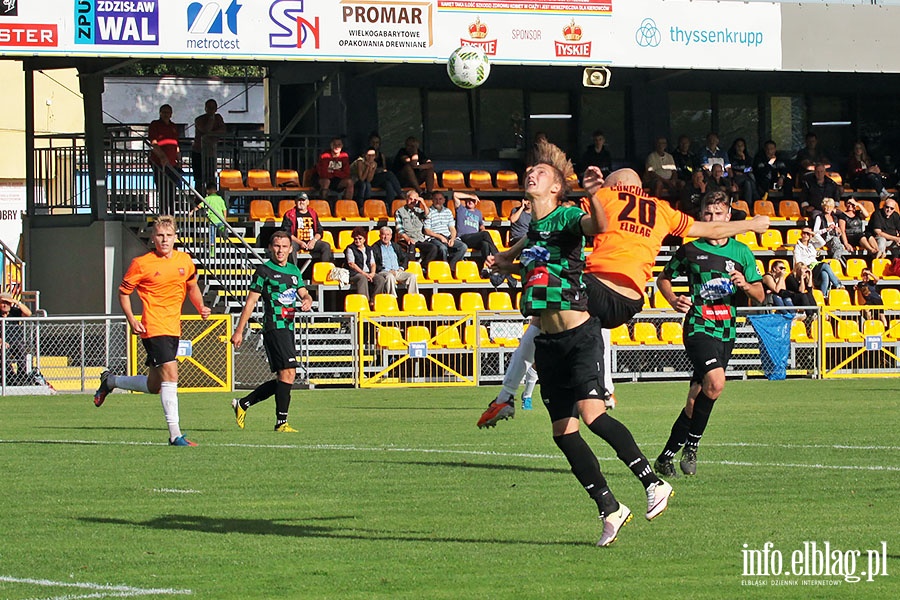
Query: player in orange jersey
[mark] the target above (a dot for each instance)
(161, 278)
(618, 268)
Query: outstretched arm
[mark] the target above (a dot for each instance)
(718, 229)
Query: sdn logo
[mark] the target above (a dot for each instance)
(647, 35)
(204, 19)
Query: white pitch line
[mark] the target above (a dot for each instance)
(352, 448)
(174, 491)
(100, 590)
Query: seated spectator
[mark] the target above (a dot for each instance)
(410, 221)
(413, 168)
(867, 294)
(883, 230)
(519, 221)
(660, 170)
(712, 154)
(799, 286)
(863, 172)
(830, 226)
(362, 171)
(302, 223)
(807, 157)
(718, 181)
(685, 160)
(391, 262)
(441, 230)
(333, 169)
(806, 251)
(771, 172)
(360, 261)
(774, 285)
(595, 155)
(855, 220)
(814, 186)
(471, 230)
(692, 194)
(384, 178)
(742, 170)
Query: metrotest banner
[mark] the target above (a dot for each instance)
(639, 33)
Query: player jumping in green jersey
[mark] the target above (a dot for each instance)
(715, 269)
(280, 284)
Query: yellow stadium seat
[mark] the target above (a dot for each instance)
(453, 179)
(320, 274)
(386, 303)
(507, 180)
(415, 266)
(397, 205)
(390, 338)
(855, 267)
(415, 303)
(873, 327)
(322, 209)
(284, 206)
(670, 332)
(893, 331)
(468, 271)
(259, 179)
(488, 210)
(418, 333)
(891, 298)
(740, 205)
(764, 207)
(310, 177)
(480, 180)
(345, 238)
(447, 337)
(829, 336)
(878, 267)
(347, 210)
(375, 210)
(439, 272)
(231, 179)
(620, 336)
(848, 331)
(507, 207)
(789, 209)
(792, 237)
(287, 178)
(645, 333)
(261, 210)
(759, 267)
(869, 206)
(356, 303)
(471, 302)
(442, 302)
(328, 238)
(839, 298)
(373, 236)
(748, 238)
(477, 336)
(771, 239)
(819, 297)
(499, 301)
(799, 333)
(836, 267)
(659, 301)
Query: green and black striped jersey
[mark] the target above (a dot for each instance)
(553, 263)
(707, 268)
(280, 291)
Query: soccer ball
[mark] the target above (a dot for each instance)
(468, 67)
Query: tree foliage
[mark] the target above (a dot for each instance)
(190, 69)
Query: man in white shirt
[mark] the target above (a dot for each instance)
(391, 262)
(660, 169)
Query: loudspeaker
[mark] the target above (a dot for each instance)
(597, 77)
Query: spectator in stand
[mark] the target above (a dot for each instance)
(718, 181)
(208, 128)
(829, 225)
(302, 223)
(863, 172)
(774, 285)
(13, 340)
(410, 220)
(165, 158)
(855, 219)
(391, 262)
(806, 251)
(471, 230)
(362, 172)
(742, 170)
(711, 154)
(807, 157)
(414, 168)
(692, 194)
(441, 230)
(519, 221)
(799, 286)
(884, 229)
(333, 169)
(685, 160)
(384, 178)
(814, 187)
(867, 294)
(595, 155)
(360, 261)
(771, 172)
(660, 170)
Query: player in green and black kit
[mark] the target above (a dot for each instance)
(715, 269)
(280, 284)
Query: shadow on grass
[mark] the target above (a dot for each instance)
(303, 528)
(470, 465)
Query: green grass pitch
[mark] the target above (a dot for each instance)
(395, 493)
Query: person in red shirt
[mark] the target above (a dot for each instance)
(165, 158)
(334, 170)
(162, 279)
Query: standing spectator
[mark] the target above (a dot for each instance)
(165, 159)
(413, 167)
(362, 171)
(162, 278)
(596, 155)
(384, 177)
(884, 229)
(208, 128)
(685, 159)
(13, 339)
(410, 220)
(807, 157)
(771, 172)
(742, 170)
(302, 223)
(216, 211)
(799, 286)
(863, 172)
(280, 285)
(660, 170)
(806, 251)
(711, 154)
(441, 231)
(855, 220)
(333, 169)
(519, 221)
(815, 186)
(360, 261)
(391, 262)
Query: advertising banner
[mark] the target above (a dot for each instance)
(638, 33)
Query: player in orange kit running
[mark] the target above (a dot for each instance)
(161, 278)
(618, 268)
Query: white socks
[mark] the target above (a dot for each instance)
(168, 395)
(520, 361)
(134, 383)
